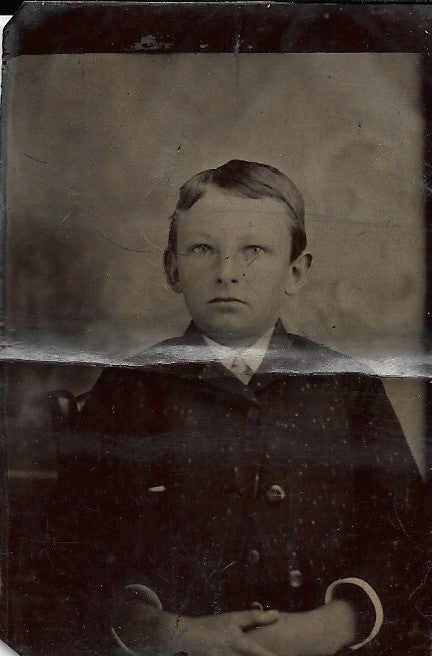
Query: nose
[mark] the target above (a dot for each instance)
(227, 269)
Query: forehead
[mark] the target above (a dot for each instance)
(219, 211)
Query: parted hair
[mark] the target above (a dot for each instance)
(251, 180)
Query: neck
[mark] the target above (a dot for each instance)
(235, 342)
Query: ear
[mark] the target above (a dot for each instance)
(171, 271)
(298, 273)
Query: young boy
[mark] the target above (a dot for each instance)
(250, 492)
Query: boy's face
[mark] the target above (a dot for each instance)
(233, 265)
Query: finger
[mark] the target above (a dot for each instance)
(246, 647)
(250, 618)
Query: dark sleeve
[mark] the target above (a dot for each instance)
(389, 520)
(106, 410)
(100, 523)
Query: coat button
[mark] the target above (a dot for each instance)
(275, 494)
(295, 578)
(253, 556)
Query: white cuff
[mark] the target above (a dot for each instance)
(375, 600)
(149, 597)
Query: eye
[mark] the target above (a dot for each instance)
(201, 249)
(252, 250)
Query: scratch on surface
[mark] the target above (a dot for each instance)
(251, 261)
(132, 289)
(125, 248)
(229, 565)
(237, 43)
(402, 526)
(158, 248)
(35, 159)
(176, 628)
(421, 585)
(65, 218)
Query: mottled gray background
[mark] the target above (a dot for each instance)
(97, 146)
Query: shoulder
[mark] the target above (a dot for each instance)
(351, 381)
(186, 349)
(307, 356)
(156, 360)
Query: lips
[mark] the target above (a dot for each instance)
(227, 299)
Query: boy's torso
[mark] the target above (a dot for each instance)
(253, 493)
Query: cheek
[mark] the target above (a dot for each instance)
(270, 277)
(194, 280)
(191, 271)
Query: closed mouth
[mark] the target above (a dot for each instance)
(227, 299)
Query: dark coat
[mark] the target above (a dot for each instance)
(217, 495)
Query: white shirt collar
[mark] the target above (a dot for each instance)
(253, 355)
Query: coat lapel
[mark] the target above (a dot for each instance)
(209, 370)
(283, 356)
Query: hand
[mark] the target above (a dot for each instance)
(319, 632)
(147, 629)
(227, 634)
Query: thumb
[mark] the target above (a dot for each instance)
(248, 619)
